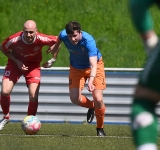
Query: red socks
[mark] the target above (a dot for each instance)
(32, 108)
(5, 104)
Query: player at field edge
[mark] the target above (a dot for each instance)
(147, 92)
(24, 52)
(85, 64)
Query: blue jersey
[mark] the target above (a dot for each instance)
(80, 53)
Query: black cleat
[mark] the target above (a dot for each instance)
(90, 115)
(100, 132)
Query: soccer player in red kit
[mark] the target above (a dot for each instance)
(24, 52)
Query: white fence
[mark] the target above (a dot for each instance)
(55, 104)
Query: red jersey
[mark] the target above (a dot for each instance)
(27, 52)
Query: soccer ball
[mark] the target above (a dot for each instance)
(31, 125)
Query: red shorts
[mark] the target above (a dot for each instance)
(32, 75)
(78, 77)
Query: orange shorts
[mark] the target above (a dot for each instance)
(32, 75)
(78, 77)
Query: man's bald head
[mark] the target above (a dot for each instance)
(30, 24)
(30, 31)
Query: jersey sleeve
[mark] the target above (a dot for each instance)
(47, 39)
(6, 45)
(92, 49)
(53, 39)
(62, 34)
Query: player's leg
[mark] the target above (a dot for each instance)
(7, 86)
(81, 100)
(10, 77)
(33, 83)
(144, 123)
(100, 85)
(76, 85)
(78, 99)
(33, 90)
(5, 101)
(99, 111)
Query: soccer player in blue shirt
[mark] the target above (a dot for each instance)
(85, 64)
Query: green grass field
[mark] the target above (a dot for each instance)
(107, 20)
(66, 137)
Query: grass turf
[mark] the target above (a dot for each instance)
(108, 21)
(67, 137)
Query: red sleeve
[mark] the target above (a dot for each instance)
(7, 43)
(5, 46)
(47, 39)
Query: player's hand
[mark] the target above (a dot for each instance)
(50, 49)
(49, 63)
(21, 66)
(90, 87)
(24, 67)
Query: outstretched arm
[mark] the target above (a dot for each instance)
(54, 50)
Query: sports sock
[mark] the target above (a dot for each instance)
(148, 147)
(5, 104)
(85, 102)
(32, 108)
(100, 112)
(144, 122)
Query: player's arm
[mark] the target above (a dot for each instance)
(54, 50)
(93, 66)
(8, 54)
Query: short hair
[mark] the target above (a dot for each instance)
(72, 26)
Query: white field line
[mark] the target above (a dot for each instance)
(78, 136)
